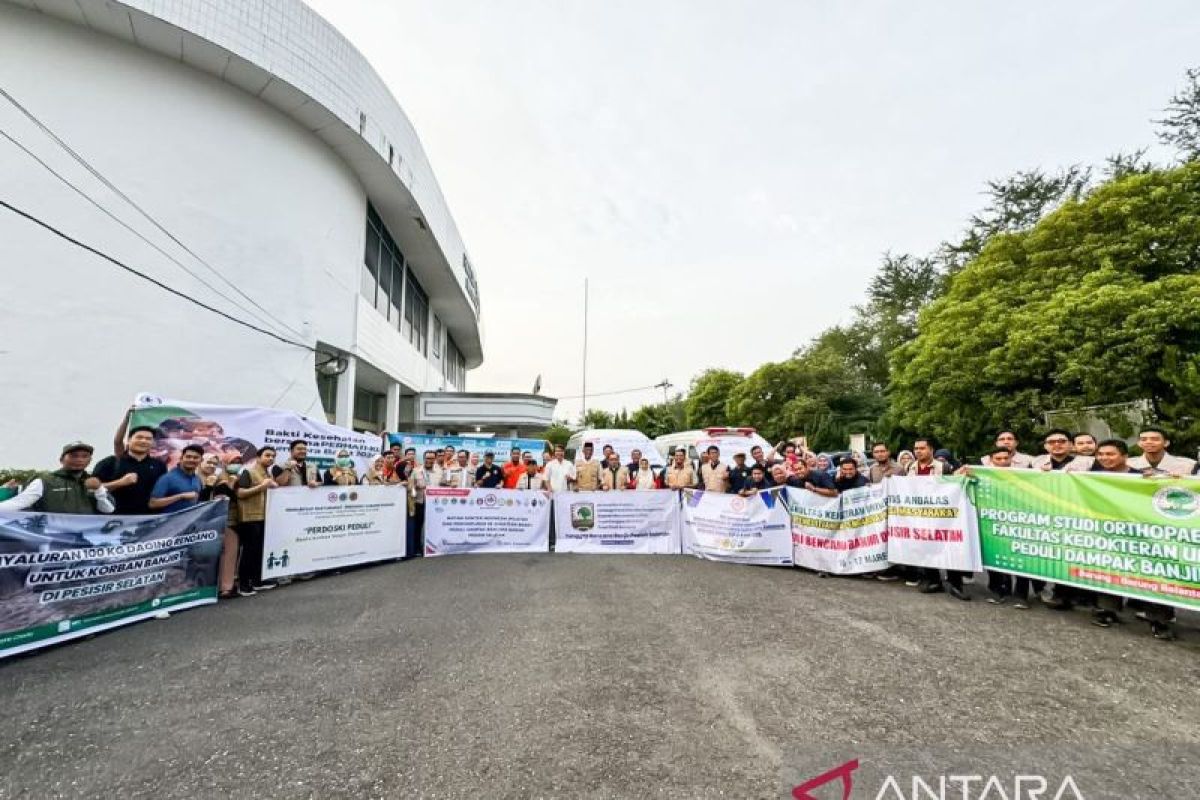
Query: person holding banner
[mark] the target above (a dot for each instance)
(531, 479)
(714, 476)
(224, 484)
(297, 471)
(614, 477)
(558, 472)
(758, 481)
(458, 474)
(252, 486)
(1007, 440)
(805, 477)
(489, 475)
(931, 579)
(1155, 461)
(644, 479)
(67, 490)
(1058, 456)
(420, 479)
(848, 477)
(130, 474)
(375, 473)
(342, 473)
(587, 471)
(680, 475)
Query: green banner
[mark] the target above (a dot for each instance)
(1120, 534)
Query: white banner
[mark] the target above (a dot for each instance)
(486, 521)
(844, 535)
(742, 530)
(617, 522)
(932, 523)
(308, 530)
(230, 431)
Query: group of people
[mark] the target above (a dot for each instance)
(132, 481)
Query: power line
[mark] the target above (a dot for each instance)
(112, 187)
(609, 394)
(145, 277)
(128, 227)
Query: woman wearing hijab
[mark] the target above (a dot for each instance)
(644, 479)
(903, 459)
(342, 473)
(215, 484)
(374, 476)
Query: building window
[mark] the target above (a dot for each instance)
(416, 316)
(369, 410)
(437, 336)
(454, 366)
(327, 390)
(383, 271)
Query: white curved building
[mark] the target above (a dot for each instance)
(282, 185)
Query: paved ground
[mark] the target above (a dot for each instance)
(568, 676)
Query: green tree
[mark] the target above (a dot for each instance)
(596, 418)
(706, 401)
(1098, 303)
(558, 433)
(659, 419)
(1180, 128)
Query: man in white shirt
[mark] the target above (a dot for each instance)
(1155, 460)
(559, 472)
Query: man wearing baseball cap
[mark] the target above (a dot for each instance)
(67, 490)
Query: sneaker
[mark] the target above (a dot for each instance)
(307, 576)
(912, 583)
(887, 578)
(931, 588)
(163, 615)
(264, 586)
(1021, 605)
(1163, 631)
(997, 601)
(245, 591)
(957, 593)
(1104, 619)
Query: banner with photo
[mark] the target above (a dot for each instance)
(475, 445)
(844, 535)
(931, 522)
(1119, 534)
(740, 530)
(68, 575)
(486, 521)
(645, 523)
(308, 530)
(231, 431)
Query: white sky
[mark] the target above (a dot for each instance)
(728, 174)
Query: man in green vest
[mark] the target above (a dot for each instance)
(67, 490)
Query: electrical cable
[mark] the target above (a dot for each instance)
(145, 277)
(112, 187)
(129, 227)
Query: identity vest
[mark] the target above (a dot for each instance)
(64, 493)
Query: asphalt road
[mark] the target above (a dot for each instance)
(602, 676)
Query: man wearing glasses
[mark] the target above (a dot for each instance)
(1058, 456)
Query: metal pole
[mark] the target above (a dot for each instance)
(585, 335)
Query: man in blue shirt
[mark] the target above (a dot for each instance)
(179, 488)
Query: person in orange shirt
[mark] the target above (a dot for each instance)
(513, 469)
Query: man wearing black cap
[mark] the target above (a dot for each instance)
(739, 474)
(489, 475)
(131, 474)
(67, 490)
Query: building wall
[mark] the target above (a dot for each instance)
(261, 199)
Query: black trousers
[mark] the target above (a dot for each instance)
(1004, 585)
(414, 543)
(953, 577)
(249, 571)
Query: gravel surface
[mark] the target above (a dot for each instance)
(600, 676)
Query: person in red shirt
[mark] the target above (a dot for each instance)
(513, 469)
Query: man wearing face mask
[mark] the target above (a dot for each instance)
(342, 473)
(67, 490)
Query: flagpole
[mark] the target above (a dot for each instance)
(585, 337)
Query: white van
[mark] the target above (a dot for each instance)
(623, 441)
(728, 440)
